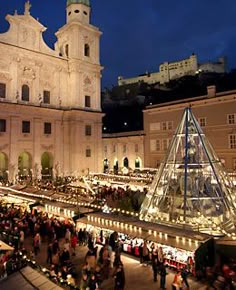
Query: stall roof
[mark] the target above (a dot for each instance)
(5, 247)
(175, 237)
(226, 241)
(28, 279)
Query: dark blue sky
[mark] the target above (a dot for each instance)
(138, 35)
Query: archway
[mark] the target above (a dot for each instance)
(138, 162)
(47, 165)
(126, 162)
(105, 165)
(3, 167)
(24, 166)
(116, 166)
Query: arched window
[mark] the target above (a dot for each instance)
(126, 162)
(25, 93)
(86, 50)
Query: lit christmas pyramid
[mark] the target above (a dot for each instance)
(192, 188)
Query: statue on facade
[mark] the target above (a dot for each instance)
(37, 171)
(27, 7)
(12, 173)
(57, 169)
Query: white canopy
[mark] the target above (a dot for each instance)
(5, 247)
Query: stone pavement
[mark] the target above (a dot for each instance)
(138, 277)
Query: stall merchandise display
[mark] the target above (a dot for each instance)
(173, 257)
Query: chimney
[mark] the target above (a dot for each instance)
(211, 91)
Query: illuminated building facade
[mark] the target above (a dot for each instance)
(51, 119)
(173, 70)
(216, 115)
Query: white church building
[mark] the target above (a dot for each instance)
(50, 110)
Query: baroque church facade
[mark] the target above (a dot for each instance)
(50, 110)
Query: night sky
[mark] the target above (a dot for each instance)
(138, 35)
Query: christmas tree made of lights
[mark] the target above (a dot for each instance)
(192, 188)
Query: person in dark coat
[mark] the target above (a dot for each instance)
(155, 264)
(119, 278)
(92, 285)
(184, 275)
(163, 273)
(49, 254)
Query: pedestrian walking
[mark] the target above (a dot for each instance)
(163, 273)
(119, 278)
(36, 244)
(184, 275)
(155, 262)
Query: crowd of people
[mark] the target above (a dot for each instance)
(17, 223)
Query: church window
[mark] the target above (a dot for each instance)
(25, 126)
(46, 97)
(76, 11)
(47, 128)
(87, 101)
(85, 13)
(25, 93)
(86, 49)
(69, 13)
(2, 125)
(2, 90)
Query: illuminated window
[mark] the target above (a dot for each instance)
(25, 93)
(47, 128)
(2, 125)
(167, 125)
(25, 126)
(2, 90)
(46, 97)
(202, 122)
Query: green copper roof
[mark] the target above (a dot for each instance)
(85, 2)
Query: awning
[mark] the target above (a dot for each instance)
(5, 247)
(174, 237)
(28, 279)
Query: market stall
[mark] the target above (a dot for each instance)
(179, 246)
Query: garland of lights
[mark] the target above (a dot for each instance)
(214, 226)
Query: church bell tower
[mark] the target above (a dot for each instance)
(78, 10)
